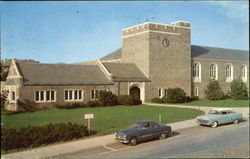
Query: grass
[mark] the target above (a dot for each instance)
(106, 119)
(219, 103)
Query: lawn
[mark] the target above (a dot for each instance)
(106, 119)
(219, 103)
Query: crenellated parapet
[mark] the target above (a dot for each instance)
(174, 27)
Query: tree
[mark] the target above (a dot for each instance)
(238, 89)
(214, 91)
(107, 98)
(175, 95)
(4, 96)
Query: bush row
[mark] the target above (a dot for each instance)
(105, 98)
(35, 136)
(175, 95)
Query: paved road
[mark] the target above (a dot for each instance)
(225, 141)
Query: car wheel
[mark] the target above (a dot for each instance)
(236, 121)
(133, 141)
(163, 136)
(214, 124)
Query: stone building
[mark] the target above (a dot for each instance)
(153, 57)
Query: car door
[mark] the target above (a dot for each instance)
(224, 118)
(155, 130)
(146, 131)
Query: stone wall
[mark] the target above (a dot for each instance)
(205, 63)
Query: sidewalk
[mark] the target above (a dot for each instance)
(243, 110)
(73, 146)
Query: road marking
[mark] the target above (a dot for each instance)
(110, 148)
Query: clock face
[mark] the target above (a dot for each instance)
(165, 42)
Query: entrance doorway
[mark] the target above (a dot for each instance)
(135, 92)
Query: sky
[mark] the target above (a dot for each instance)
(69, 32)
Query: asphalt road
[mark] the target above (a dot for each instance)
(230, 140)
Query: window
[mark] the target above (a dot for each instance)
(213, 71)
(196, 72)
(160, 93)
(45, 96)
(196, 91)
(94, 94)
(165, 92)
(229, 73)
(13, 96)
(243, 73)
(73, 95)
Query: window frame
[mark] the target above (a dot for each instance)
(70, 94)
(196, 72)
(44, 96)
(214, 71)
(243, 72)
(229, 73)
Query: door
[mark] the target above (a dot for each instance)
(135, 92)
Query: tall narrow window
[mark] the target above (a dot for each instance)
(243, 73)
(229, 73)
(213, 71)
(37, 96)
(41, 95)
(196, 72)
(160, 92)
(196, 92)
(47, 95)
(13, 96)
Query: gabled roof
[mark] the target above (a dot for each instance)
(125, 72)
(61, 74)
(202, 52)
(205, 52)
(113, 55)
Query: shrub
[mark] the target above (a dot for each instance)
(128, 100)
(26, 105)
(35, 136)
(238, 89)
(213, 91)
(93, 103)
(70, 105)
(3, 97)
(188, 99)
(107, 98)
(159, 100)
(175, 95)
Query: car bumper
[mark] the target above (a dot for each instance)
(203, 123)
(125, 141)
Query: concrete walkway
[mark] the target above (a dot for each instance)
(73, 146)
(243, 110)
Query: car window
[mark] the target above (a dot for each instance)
(146, 125)
(229, 112)
(153, 125)
(223, 112)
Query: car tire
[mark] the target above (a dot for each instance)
(133, 141)
(163, 136)
(214, 124)
(236, 121)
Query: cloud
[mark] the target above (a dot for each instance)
(238, 10)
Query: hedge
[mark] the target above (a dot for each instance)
(70, 105)
(28, 137)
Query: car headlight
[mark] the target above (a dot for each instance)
(124, 136)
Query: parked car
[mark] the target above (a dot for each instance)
(217, 117)
(141, 131)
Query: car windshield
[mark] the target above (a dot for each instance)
(136, 125)
(214, 112)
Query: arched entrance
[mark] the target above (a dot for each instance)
(135, 92)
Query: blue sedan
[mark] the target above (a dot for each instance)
(142, 130)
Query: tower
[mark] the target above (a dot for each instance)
(162, 52)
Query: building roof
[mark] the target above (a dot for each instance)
(125, 72)
(202, 52)
(61, 74)
(113, 55)
(205, 52)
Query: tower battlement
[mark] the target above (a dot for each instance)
(174, 27)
